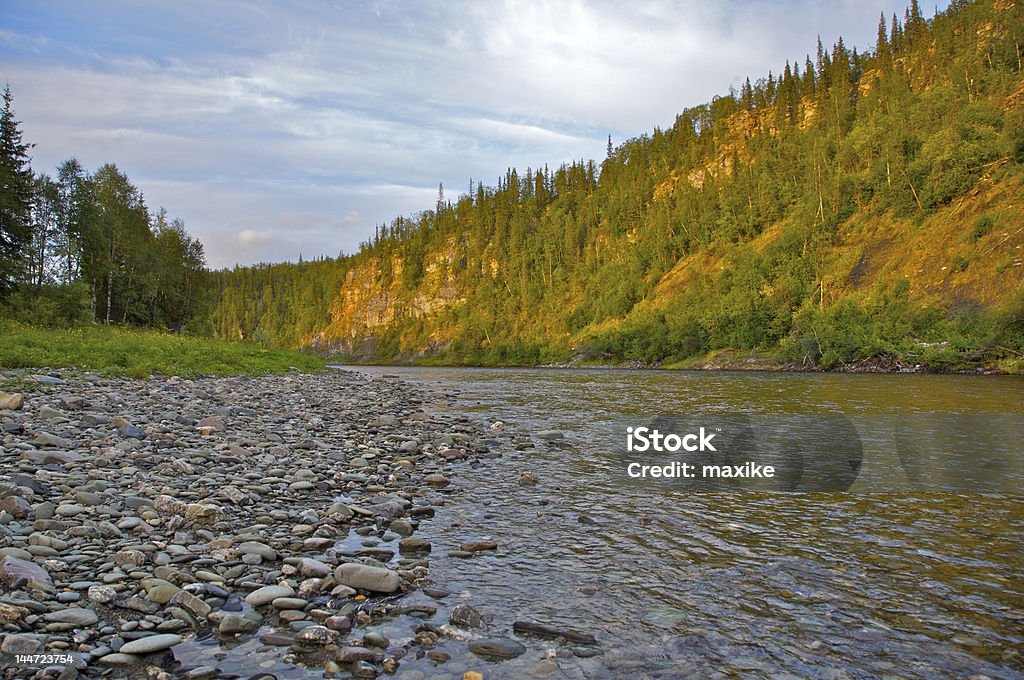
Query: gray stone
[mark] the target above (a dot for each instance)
(257, 548)
(19, 573)
(21, 644)
(339, 623)
(49, 413)
(311, 568)
(46, 379)
(79, 616)
(52, 440)
(268, 594)
(16, 506)
(367, 578)
(150, 644)
(233, 624)
(496, 648)
(375, 639)
(119, 659)
(191, 603)
(51, 457)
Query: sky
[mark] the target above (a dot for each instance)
(280, 129)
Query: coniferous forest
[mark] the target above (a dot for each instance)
(860, 206)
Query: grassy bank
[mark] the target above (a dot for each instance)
(138, 353)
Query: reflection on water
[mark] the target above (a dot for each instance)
(678, 584)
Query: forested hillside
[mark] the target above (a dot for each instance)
(855, 205)
(858, 204)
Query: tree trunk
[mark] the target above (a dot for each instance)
(110, 285)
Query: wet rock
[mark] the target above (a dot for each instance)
(464, 616)
(549, 435)
(437, 656)
(544, 668)
(288, 603)
(401, 527)
(318, 635)
(277, 640)
(414, 545)
(233, 624)
(476, 546)
(540, 630)
(339, 623)
(496, 648)
(354, 654)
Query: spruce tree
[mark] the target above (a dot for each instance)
(16, 191)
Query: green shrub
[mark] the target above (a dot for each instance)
(982, 226)
(49, 306)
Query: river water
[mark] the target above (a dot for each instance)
(903, 574)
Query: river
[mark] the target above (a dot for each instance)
(897, 576)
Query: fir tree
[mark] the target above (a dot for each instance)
(16, 192)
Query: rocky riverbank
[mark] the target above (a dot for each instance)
(139, 517)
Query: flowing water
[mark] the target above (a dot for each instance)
(886, 579)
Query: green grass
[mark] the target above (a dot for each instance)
(139, 353)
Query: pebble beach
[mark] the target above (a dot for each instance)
(139, 515)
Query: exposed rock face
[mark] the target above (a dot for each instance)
(364, 306)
